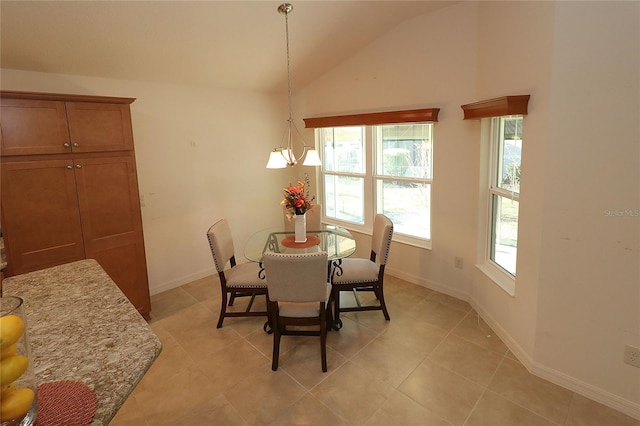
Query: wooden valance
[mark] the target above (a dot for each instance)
(9, 94)
(373, 118)
(506, 105)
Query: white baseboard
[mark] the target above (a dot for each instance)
(587, 390)
(432, 285)
(183, 280)
(513, 346)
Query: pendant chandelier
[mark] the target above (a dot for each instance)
(284, 156)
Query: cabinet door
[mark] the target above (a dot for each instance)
(40, 215)
(99, 127)
(112, 225)
(33, 127)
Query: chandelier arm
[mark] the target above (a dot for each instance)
(304, 145)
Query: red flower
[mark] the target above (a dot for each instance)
(295, 199)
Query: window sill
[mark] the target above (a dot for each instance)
(409, 241)
(397, 237)
(500, 278)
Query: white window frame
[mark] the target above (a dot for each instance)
(490, 140)
(371, 177)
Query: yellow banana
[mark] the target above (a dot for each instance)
(11, 328)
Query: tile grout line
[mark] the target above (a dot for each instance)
(513, 401)
(486, 387)
(566, 419)
(427, 357)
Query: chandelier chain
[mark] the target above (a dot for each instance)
(284, 156)
(286, 23)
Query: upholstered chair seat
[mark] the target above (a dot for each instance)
(357, 270)
(236, 280)
(245, 275)
(359, 274)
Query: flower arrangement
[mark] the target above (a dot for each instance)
(296, 198)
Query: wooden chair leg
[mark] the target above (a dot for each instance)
(275, 357)
(276, 348)
(223, 308)
(329, 314)
(323, 337)
(383, 305)
(335, 295)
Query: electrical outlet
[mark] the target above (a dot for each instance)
(458, 262)
(632, 355)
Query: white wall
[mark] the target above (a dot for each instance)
(577, 292)
(428, 61)
(577, 299)
(519, 63)
(589, 292)
(201, 156)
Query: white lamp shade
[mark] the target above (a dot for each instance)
(312, 158)
(276, 161)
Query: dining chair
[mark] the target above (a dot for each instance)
(298, 296)
(359, 274)
(313, 219)
(239, 280)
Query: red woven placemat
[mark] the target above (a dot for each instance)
(65, 403)
(311, 241)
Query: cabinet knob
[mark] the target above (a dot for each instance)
(69, 167)
(78, 166)
(76, 144)
(66, 145)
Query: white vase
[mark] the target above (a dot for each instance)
(300, 228)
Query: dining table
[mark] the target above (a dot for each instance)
(336, 241)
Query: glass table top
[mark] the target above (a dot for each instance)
(336, 241)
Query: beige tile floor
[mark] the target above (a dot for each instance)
(432, 364)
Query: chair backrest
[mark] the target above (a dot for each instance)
(313, 218)
(381, 238)
(296, 277)
(221, 244)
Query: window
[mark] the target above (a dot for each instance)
(403, 176)
(342, 150)
(385, 169)
(501, 153)
(504, 190)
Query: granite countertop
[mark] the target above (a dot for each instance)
(82, 327)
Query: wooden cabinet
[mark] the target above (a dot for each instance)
(32, 127)
(69, 187)
(40, 216)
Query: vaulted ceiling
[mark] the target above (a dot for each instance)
(233, 44)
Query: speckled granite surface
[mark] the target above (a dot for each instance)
(82, 327)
